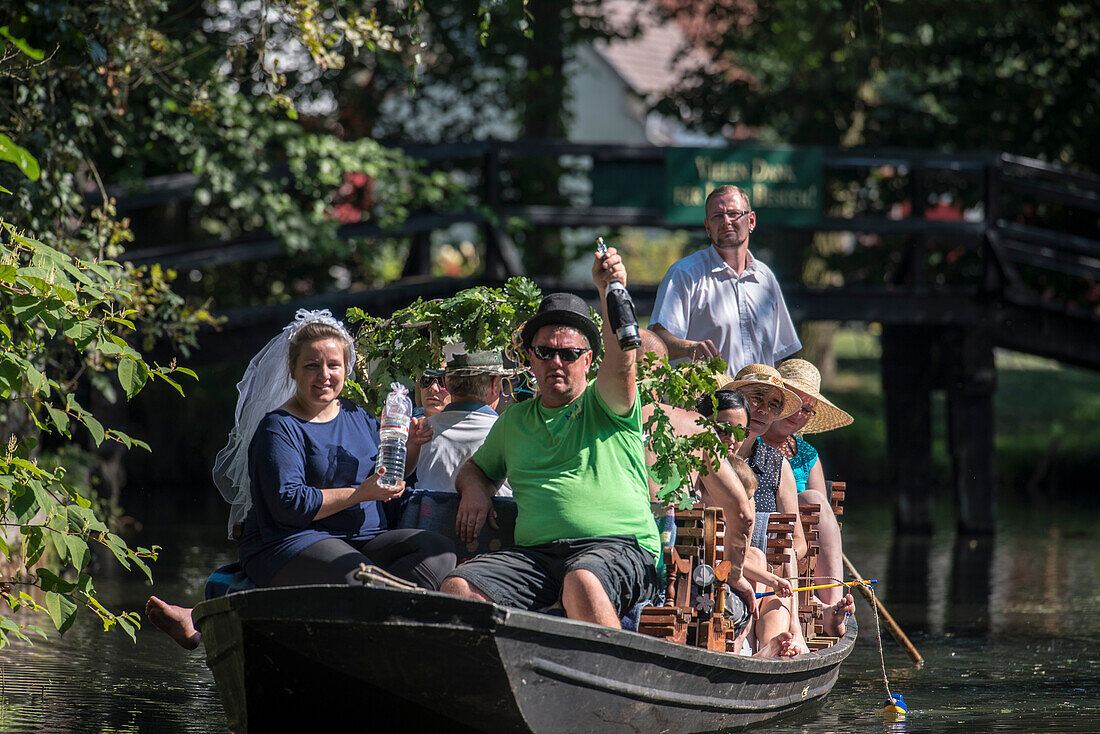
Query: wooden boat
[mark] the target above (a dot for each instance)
(385, 658)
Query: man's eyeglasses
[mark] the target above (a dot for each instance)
(430, 378)
(565, 354)
(733, 214)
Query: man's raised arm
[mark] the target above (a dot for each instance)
(616, 377)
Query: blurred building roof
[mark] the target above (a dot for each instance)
(657, 58)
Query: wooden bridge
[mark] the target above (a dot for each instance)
(1012, 260)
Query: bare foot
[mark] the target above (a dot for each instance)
(782, 645)
(835, 618)
(173, 621)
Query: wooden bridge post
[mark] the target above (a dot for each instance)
(907, 372)
(419, 261)
(972, 383)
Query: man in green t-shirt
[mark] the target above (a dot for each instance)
(574, 457)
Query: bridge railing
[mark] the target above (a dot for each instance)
(902, 220)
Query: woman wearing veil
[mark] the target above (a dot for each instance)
(300, 473)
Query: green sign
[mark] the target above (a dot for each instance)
(784, 185)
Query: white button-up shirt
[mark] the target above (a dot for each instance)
(701, 297)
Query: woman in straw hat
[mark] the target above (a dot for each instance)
(766, 399)
(769, 400)
(816, 415)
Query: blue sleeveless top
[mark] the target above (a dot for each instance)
(802, 462)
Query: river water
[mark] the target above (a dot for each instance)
(1009, 628)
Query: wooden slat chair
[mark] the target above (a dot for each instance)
(836, 499)
(815, 634)
(780, 546)
(692, 615)
(700, 536)
(809, 608)
(780, 557)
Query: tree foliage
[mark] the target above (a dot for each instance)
(412, 339)
(49, 529)
(125, 91)
(113, 91)
(989, 74)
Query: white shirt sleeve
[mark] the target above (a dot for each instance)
(786, 337)
(670, 307)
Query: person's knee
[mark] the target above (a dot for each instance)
(582, 590)
(812, 496)
(754, 558)
(456, 586)
(581, 579)
(771, 604)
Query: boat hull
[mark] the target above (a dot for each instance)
(431, 662)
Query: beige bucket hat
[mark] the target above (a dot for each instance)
(802, 375)
(762, 374)
(477, 363)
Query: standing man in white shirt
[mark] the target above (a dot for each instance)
(721, 301)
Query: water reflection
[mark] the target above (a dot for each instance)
(1028, 580)
(972, 558)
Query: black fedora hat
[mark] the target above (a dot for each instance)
(563, 309)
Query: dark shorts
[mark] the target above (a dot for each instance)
(530, 577)
(737, 610)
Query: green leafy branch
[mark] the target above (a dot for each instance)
(58, 529)
(50, 304)
(680, 456)
(412, 339)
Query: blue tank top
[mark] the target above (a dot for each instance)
(802, 462)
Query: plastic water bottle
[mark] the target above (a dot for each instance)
(394, 433)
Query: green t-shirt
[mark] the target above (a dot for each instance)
(577, 471)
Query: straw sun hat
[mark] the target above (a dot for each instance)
(801, 375)
(763, 375)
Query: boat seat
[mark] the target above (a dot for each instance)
(836, 492)
(809, 608)
(693, 612)
(779, 551)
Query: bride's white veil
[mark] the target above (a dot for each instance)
(266, 385)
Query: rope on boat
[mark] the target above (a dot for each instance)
(895, 705)
(881, 657)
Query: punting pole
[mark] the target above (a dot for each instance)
(762, 594)
(891, 625)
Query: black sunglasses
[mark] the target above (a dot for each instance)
(566, 354)
(428, 378)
